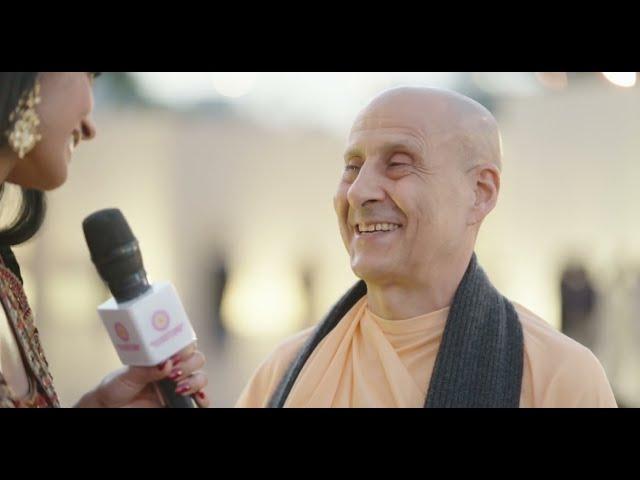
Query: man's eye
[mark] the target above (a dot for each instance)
(350, 173)
(400, 159)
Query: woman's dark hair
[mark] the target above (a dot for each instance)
(32, 206)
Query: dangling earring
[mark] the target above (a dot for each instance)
(24, 135)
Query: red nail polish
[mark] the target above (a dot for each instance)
(182, 389)
(161, 366)
(176, 359)
(201, 395)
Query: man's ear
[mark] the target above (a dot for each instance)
(485, 179)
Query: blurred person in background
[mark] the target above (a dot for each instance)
(218, 281)
(43, 118)
(578, 299)
(424, 326)
(619, 336)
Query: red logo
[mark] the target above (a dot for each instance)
(121, 332)
(160, 320)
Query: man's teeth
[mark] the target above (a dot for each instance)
(375, 227)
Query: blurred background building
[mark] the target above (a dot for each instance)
(227, 181)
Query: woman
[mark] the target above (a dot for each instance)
(43, 118)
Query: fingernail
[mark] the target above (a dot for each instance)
(201, 395)
(182, 389)
(161, 366)
(175, 374)
(176, 359)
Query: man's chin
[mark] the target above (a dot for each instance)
(372, 272)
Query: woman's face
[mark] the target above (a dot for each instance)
(65, 119)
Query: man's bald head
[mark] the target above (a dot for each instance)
(421, 174)
(443, 118)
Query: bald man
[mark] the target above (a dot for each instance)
(424, 326)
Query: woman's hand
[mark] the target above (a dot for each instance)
(135, 386)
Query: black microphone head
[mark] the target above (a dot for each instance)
(115, 253)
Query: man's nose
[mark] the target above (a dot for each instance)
(366, 188)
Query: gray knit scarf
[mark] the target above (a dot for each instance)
(479, 363)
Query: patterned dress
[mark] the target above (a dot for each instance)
(18, 313)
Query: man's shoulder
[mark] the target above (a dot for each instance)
(562, 372)
(539, 335)
(268, 374)
(277, 362)
(286, 350)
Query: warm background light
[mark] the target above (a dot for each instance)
(233, 84)
(553, 80)
(621, 79)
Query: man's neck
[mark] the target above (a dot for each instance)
(433, 291)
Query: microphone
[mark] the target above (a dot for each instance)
(146, 322)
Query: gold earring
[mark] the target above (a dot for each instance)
(24, 135)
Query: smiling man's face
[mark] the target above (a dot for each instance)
(404, 198)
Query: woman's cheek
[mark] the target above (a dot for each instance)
(49, 163)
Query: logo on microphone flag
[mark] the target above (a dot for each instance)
(121, 332)
(160, 320)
